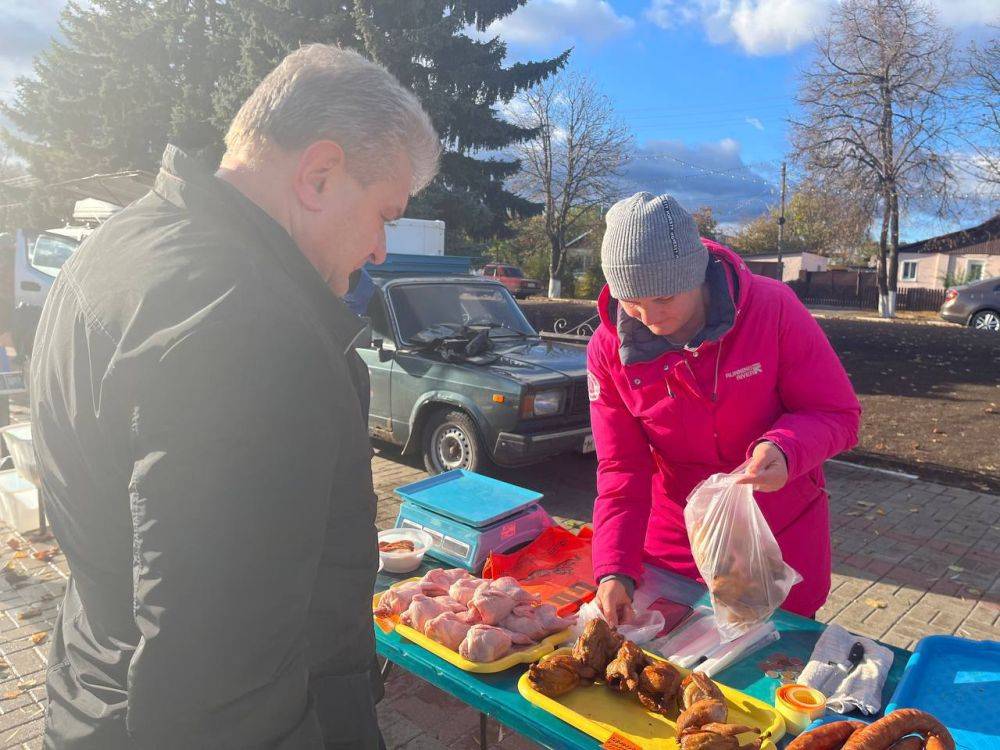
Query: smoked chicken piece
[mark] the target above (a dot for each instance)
(659, 687)
(449, 629)
(485, 643)
(623, 671)
(698, 686)
(535, 621)
(423, 609)
(463, 589)
(555, 676)
(596, 647)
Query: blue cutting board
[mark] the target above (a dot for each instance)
(469, 498)
(958, 681)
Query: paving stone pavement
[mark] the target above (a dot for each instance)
(911, 559)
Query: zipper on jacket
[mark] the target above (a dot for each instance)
(715, 387)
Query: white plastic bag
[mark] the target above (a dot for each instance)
(736, 554)
(644, 627)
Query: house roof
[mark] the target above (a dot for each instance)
(981, 239)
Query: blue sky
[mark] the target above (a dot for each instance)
(706, 86)
(709, 83)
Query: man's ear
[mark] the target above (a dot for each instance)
(319, 165)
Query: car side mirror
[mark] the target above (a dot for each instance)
(384, 355)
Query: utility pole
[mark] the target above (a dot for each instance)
(781, 226)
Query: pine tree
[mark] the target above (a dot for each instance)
(127, 78)
(460, 80)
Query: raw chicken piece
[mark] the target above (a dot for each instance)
(484, 643)
(535, 621)
(492, 604)
(397, 599)
(438, 581)
(494, 600)
(424, 608)
(463, 589)
(449, 629)
(512, 588)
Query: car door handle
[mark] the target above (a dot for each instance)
(30, 286)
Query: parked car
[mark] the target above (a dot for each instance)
(976, 305)
(459, 376)
(513, 278)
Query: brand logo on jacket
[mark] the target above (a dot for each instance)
(593, 387)
(746, 372)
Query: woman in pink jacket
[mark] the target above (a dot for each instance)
(697, 367)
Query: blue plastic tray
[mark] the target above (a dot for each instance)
(468, 497)
(958, 681)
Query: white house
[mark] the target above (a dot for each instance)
(791, 263)
(950, 259)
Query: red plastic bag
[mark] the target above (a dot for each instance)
(556, 566)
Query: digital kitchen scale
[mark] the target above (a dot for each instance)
(470, 515)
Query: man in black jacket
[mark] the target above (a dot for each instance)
(200, 421)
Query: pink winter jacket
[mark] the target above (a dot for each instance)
(664, 425)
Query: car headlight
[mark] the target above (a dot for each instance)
(543, 403)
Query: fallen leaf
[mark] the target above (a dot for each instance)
(29, 613)
(939, 431)
(14, 543)
(20, 554)
(45, 554)
(864, 503)
(880, 511)
(10, 695)
(39, 638)
(973, 591)
(877, 603)
(956, 568)
(27, 685)
(914, 510)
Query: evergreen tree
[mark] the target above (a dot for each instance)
(126, 78)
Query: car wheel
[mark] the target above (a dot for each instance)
(986, 320)
(451, 441)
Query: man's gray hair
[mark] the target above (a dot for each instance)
(322, 92)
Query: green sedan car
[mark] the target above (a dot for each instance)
(459, 375)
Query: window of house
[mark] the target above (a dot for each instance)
(909, 270)
(974, 270)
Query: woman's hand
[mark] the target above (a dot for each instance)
(767, 469)
(614, 602)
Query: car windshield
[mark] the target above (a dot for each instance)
(421, 306)
(51, 250)
(514, 273)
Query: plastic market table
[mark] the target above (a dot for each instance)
(496, 695)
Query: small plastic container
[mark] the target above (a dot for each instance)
(18, 440)
(18, 502)
(404, 562)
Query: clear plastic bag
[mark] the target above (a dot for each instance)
(644, 627)
(736, 554)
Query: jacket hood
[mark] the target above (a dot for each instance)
(740, 280)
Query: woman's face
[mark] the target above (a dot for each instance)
(666, 316)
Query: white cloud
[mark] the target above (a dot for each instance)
(542, 23)
(700, 174)
(755, 123)
(668, 14)
(767, 27)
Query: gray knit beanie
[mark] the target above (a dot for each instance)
(651, 248)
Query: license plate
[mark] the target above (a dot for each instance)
(588, 444)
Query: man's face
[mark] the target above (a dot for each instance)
(344, 225)
(665, 316)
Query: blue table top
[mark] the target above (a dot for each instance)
(497, 696)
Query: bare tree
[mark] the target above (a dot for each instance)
(572, 164)
(982, 102)
(877, 115)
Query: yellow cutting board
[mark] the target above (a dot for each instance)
(621, 721)
(523, 655)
